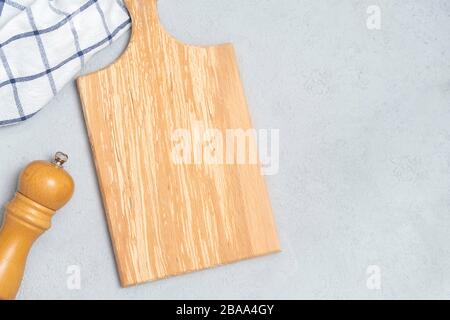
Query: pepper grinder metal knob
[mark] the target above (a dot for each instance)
(44, 187)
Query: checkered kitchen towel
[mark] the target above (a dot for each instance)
(45, 43)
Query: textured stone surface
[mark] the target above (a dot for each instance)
(364, 163)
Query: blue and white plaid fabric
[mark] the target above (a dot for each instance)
(45, 43)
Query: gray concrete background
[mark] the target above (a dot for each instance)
(364, 164)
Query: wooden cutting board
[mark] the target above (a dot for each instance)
(165, 217)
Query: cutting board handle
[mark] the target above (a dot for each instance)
(145, 18)
(135, 6)
(146, 23)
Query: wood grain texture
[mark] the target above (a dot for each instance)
(167, 219)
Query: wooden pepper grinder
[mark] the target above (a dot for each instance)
(44, 187)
